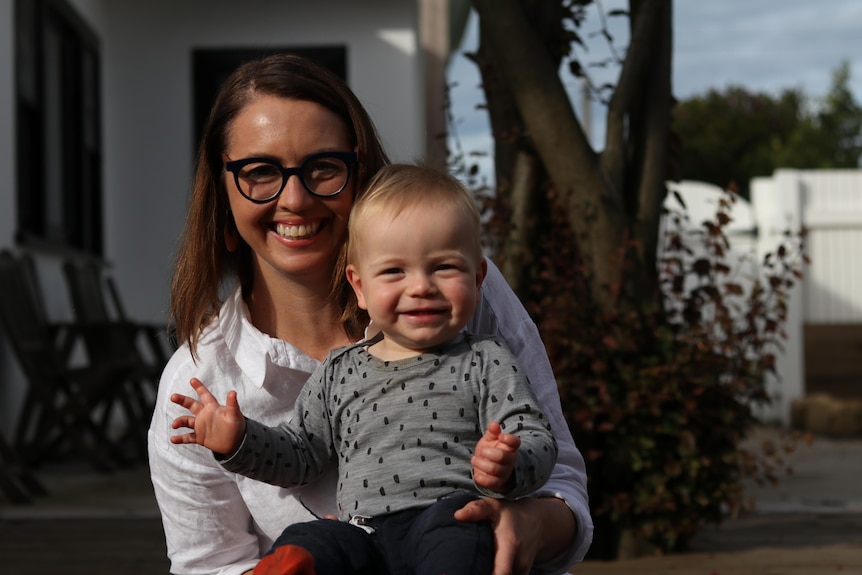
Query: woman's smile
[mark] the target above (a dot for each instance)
(298, 231)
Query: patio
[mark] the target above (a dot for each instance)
(811, 523)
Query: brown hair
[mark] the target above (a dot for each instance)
(203, 261)
(399, 186)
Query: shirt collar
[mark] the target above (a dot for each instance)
(258, 355)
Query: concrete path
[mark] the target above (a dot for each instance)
(810, 523)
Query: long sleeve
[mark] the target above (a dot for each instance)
(508, 399)
(501, 313)
(295, 452)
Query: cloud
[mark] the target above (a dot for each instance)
(761, 45)
(769, 45)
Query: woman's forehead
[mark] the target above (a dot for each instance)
(273, 121)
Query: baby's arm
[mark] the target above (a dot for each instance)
(494, 459)
(508, 400)
(219, 428)
(304, 448)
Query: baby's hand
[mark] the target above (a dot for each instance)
(494, 459)
(216, 427)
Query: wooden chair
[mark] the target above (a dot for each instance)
(111, 336)
(96, 300)
(65, 406)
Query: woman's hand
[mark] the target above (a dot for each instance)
(525, 531)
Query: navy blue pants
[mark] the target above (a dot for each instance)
(427, 541)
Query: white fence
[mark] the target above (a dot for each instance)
(828, 203)
(831, 204)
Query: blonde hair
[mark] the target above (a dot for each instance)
(401, 186)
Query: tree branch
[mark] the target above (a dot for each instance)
(628, 89)
(654, 171)
(526, 69)
(521, 234)
(524, 66)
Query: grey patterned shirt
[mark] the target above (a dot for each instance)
(403, 431)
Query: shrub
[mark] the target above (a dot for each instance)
(660, 394)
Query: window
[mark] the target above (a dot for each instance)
(58, 128)
(211, 67)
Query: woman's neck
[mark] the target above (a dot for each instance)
(303, 316)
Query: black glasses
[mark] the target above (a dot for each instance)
(261, 180)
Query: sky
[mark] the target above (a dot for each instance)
(760, 45)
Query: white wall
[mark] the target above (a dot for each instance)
(148, 110)
(146, 55)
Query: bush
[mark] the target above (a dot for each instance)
(660, 394)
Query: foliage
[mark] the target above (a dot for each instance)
(659, 398)
(831, 136)
(732, 136)
(736, 135)
(660, 361)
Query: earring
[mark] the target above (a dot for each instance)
(231, 238)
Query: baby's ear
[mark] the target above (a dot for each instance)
(356, 283)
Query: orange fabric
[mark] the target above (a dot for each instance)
(286, 560)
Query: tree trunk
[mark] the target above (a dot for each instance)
(609, 199)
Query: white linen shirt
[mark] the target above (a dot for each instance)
(218, 522)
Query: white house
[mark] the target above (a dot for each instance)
(101, 100)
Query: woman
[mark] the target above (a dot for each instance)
(286, 150)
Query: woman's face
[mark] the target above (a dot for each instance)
(296, 234)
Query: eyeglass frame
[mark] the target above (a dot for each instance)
(234, 167)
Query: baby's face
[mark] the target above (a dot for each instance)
(418, 277)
